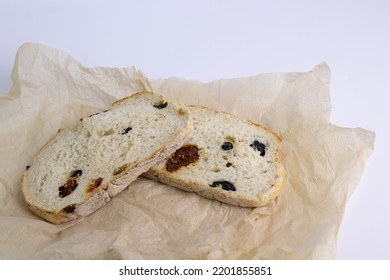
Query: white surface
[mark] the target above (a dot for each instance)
(207, 40)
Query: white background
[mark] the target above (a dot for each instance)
(207, 40)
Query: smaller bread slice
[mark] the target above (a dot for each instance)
(82, 168)
(228, 159)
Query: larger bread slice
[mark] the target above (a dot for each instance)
(228, 159)
(82, 168)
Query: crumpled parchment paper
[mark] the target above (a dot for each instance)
(149, 220)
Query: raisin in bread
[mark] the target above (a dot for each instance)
(82, 168)
(228, 159)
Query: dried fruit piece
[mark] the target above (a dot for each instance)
(182, 157)
(161, 106)
(98, 181)
(76, 173)
(70, 208)
(71, 184)
(227, 146)
(68, 188)
(125, 131)
(257, 146)
(227, 186)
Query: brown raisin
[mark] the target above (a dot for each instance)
(98, 181)
(182, 157)
(70, 208)
(68, 188)
(95, 114)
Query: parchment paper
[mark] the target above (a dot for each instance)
(149, 220)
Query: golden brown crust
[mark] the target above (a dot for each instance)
(244, 120)
(134, 96)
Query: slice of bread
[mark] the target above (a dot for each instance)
(228, 159)
(82, 168)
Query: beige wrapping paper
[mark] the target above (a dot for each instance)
(149, 220)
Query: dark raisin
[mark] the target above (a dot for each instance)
(227, 186)
(229, 164)
(227, 146)
(70, 208)
(68, 188)
(257, 146)
(27, 167)
(161, 106)
(76, 173)
(125, 131)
